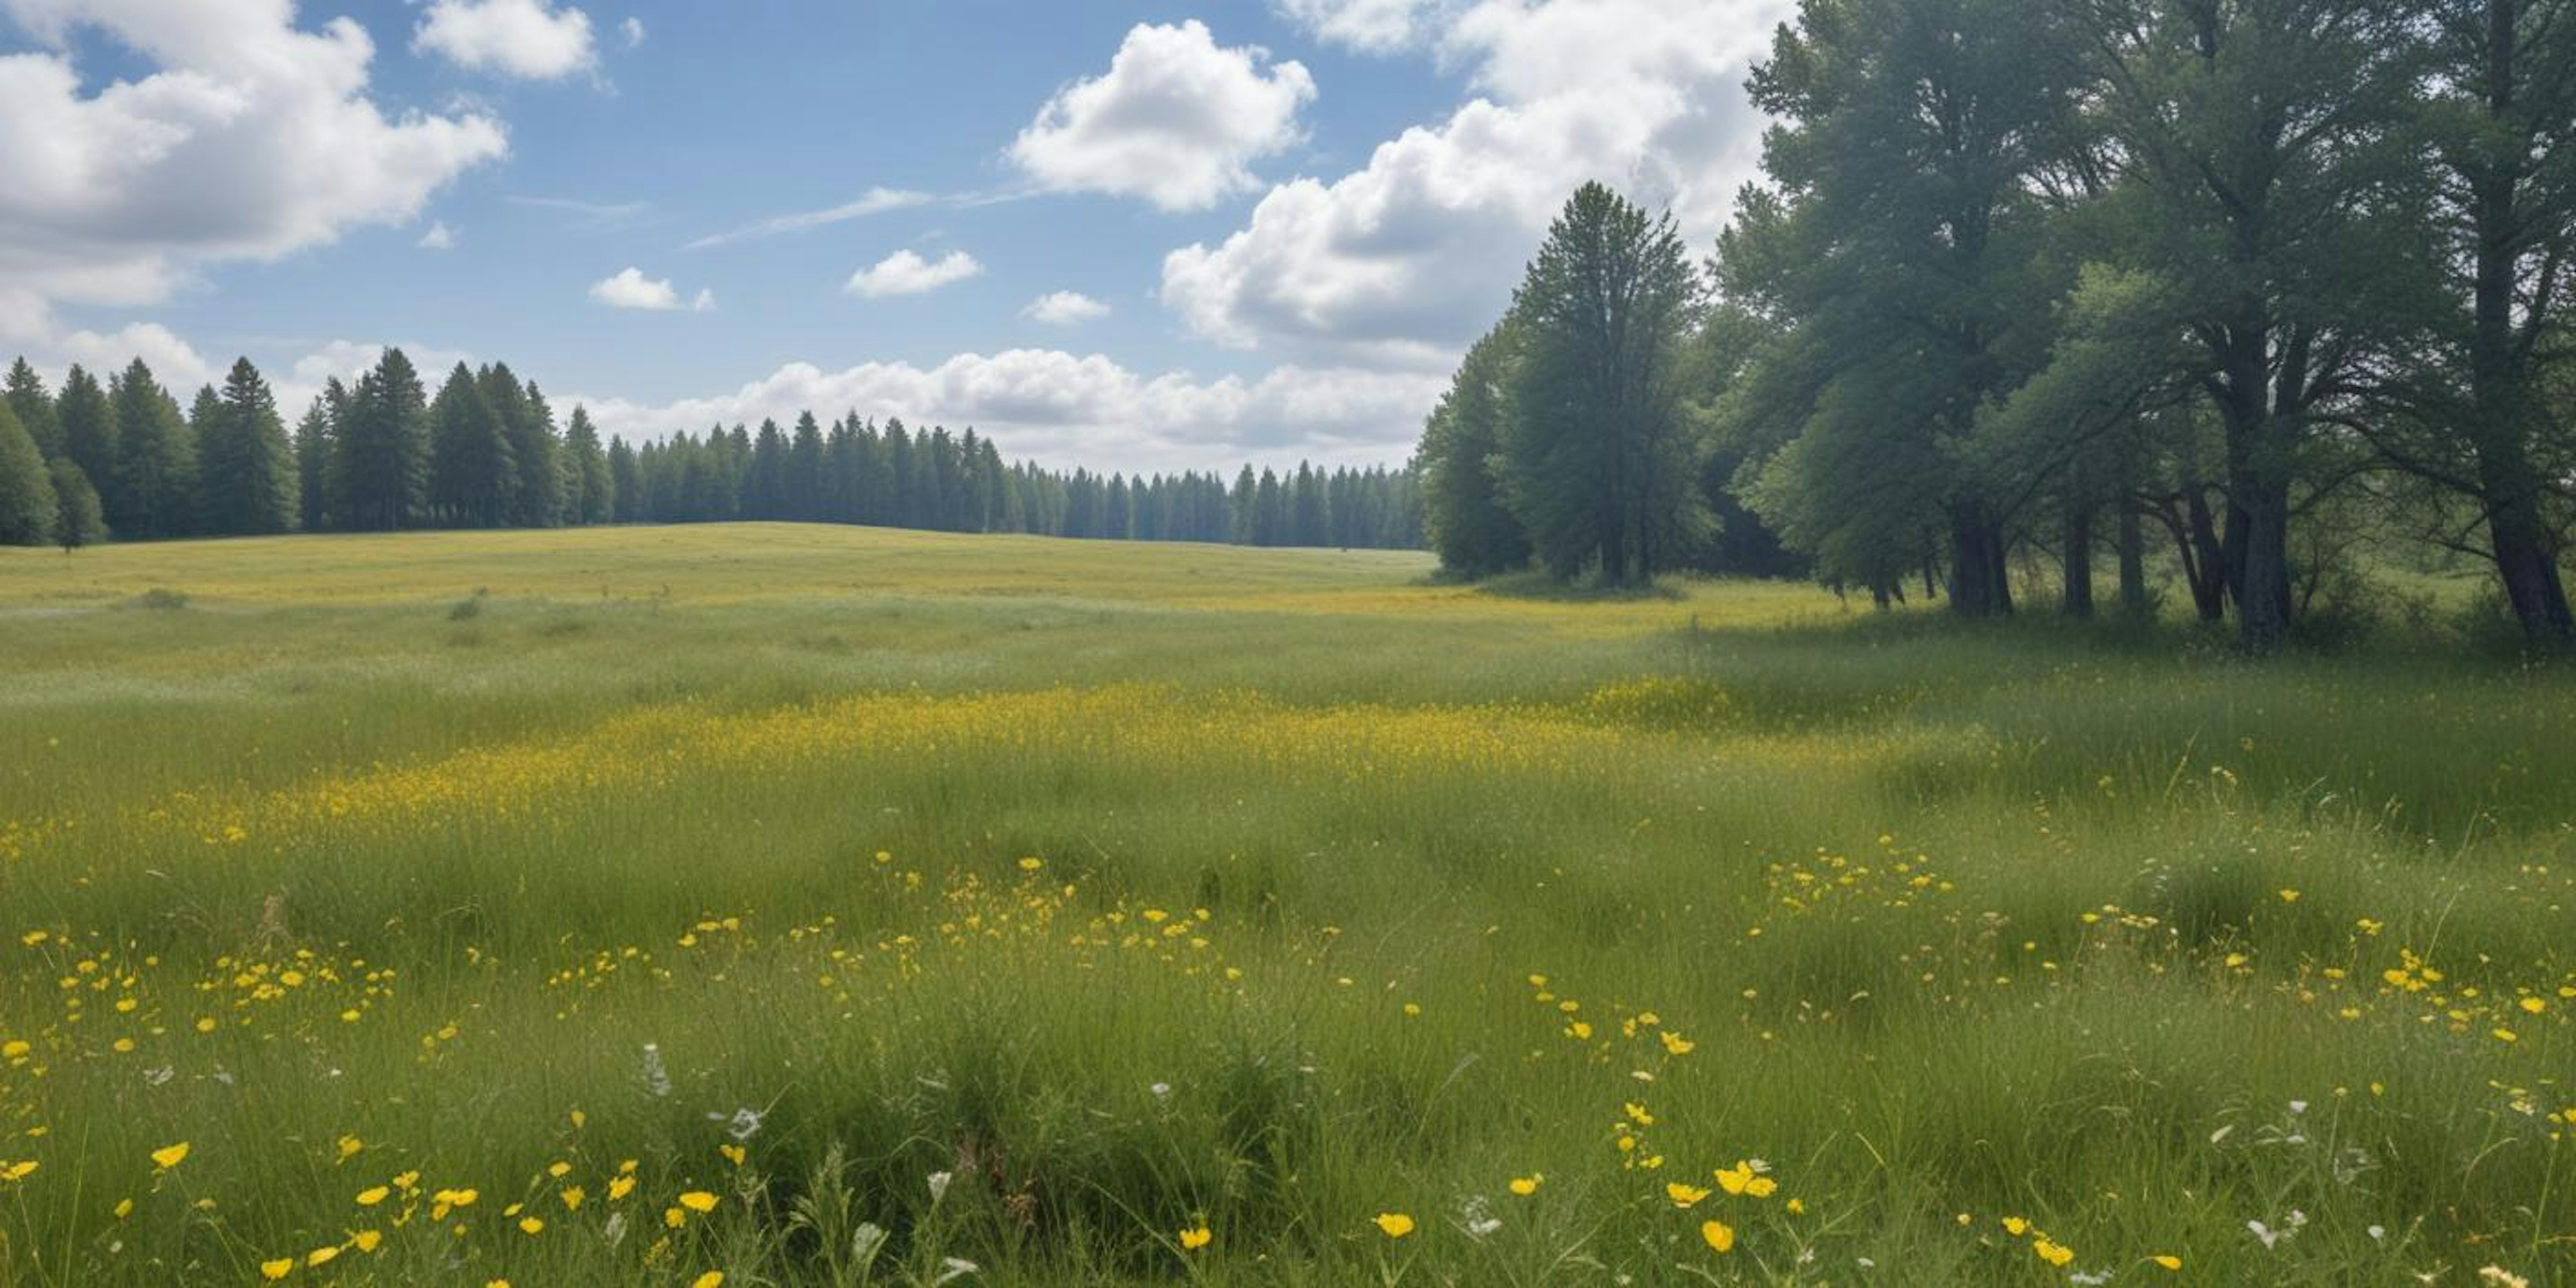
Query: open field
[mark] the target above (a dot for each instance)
(618, 906)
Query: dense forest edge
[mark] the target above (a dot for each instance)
(2264, 297)
(485, 451)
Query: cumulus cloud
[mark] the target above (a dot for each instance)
(905, 273)
(1065, 308)
(875, 201)
(250, 138)
(174, 362)
(528, 39)
(1403, 261)
(633, 30)
(1176, 120)
(439, 236)
(631, 289)
(1068, 409)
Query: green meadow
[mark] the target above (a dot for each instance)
(804, 905)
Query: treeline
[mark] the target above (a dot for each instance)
(855, 471)
(485, 451)
(2251, 292)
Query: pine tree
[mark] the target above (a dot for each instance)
(382, 462)
(27, 502)
(313, 447)
(87, 422)
(805, 483)
(1596, 453)
(78, 520)
(249, 483)
(764, 493)
(1246, 506)
(626, 495)
(536, 486)
(1311, 515)
(26, 396)
(470, 473)
(156, 459)
(594, 484)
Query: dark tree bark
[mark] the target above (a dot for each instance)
(1980, 581)
(2078, 598)
(2133, 560)
(2500, 398)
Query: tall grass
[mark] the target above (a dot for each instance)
(1143, 890)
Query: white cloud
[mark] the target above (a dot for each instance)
(633, 30)
(439, 236)
(529, 39)
(1405, 260)
(905, 273)
(875, 201)
(1067, 409)
(248, 139)
(1065, 308)
(174, 362)
(631, 289)
(1176, 120)
(1375, 26)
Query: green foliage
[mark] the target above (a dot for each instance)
(592, 486)
(472, 472)
(24, 391)
(154, 489)
(247, 466)
(1469, 522)
(88, 423)
(78, 518)
(381, 465)
(1596, 456)
(27, 503)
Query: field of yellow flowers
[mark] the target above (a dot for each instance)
(791, 906)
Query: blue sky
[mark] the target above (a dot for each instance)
(1268, 227)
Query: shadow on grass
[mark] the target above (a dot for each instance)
(1538, 586)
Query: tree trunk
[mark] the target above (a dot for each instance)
(1980, 583)
(2527, 560)
(2263, 597)
(2133, 561)
(2078, 599)
(2500, 378)
(2205, 557)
